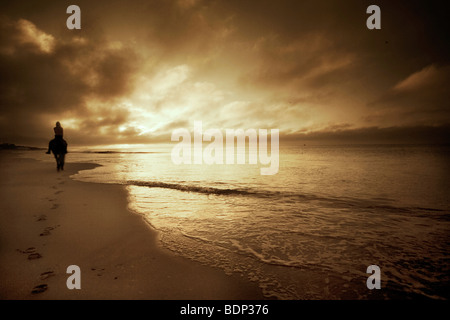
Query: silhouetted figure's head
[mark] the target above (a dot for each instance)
(58, 129)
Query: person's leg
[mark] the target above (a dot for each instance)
(65, 146)
(49, 146)
(61, 161)
(57, 161)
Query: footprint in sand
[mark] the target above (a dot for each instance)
(58, 192)
(99, 270)
(42, 217)
(39, 289)
(47, 230)
(46, 275)
(45, 233)
(32, 254)
(29, 250)
(55, 206)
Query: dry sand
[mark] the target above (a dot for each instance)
(49, 222)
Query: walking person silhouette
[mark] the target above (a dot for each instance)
(59, 132)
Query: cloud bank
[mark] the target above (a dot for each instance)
(136, 71)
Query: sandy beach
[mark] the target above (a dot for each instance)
(49, 221)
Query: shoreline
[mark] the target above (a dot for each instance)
(49, 221)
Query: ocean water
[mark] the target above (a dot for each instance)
(308, 232)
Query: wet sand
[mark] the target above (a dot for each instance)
(49, 222)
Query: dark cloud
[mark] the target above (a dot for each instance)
(422, 97)
(43, 75)
(317, 45)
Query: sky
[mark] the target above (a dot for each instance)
(137, 70)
